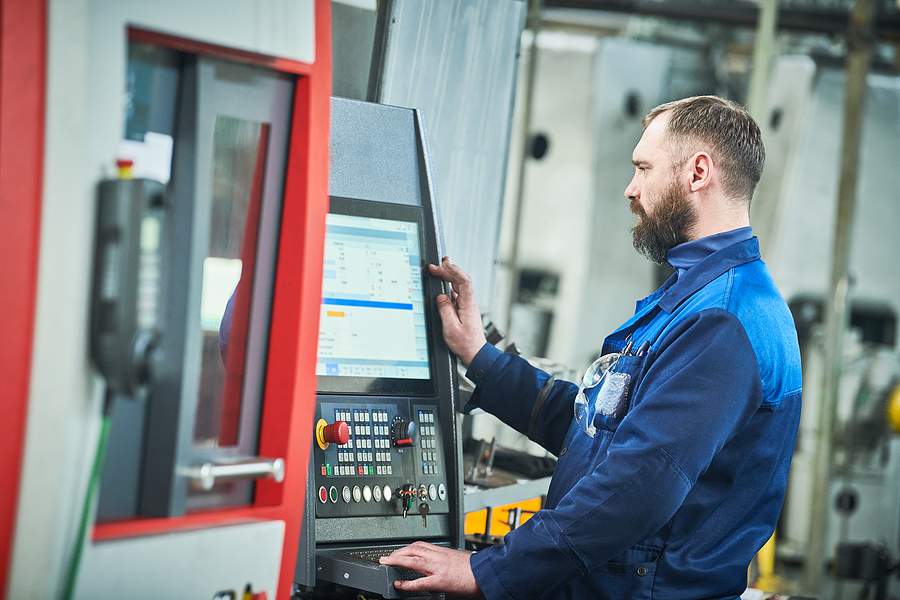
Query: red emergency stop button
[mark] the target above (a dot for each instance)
(335, 433)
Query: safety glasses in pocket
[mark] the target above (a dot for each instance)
(595, 375)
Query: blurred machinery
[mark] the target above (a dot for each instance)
(864, 503)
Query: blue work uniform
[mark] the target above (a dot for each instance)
(684, 481)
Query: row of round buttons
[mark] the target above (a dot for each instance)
(376, 493)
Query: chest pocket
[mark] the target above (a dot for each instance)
(613, 397)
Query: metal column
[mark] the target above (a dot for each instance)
(533, 25)
(859, 53)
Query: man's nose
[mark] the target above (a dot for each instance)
(631, 192)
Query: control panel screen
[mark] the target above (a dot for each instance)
(372, 322)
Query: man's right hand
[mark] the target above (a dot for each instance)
(460, 317)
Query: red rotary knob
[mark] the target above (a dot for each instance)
(337, 433)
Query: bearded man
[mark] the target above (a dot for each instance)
(675, 446)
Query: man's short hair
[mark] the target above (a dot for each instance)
(723, 128)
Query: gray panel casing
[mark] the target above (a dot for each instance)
(373, 153)
(378, 153)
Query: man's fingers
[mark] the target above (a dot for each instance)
(418, 564)
(450, 272)
(419, 549)
(423, 584)
(447, 311)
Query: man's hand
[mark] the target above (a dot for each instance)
(445, 570)
(460, 317)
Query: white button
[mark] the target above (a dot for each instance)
(432, 492)
(357, 493)
(345, 493)
(376, 492)
(390, 470)
(367, 493)
(442, 492)
(386, 490)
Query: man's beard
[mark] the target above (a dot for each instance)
(670, 224)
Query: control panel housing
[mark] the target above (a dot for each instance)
(385, 467)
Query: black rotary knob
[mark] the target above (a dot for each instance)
(403, 432)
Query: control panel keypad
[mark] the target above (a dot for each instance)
(368, 451)
(428, 442)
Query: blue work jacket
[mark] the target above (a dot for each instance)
(683, 482)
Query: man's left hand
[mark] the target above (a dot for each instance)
(445, 570)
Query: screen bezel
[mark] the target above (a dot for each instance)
(385, 386)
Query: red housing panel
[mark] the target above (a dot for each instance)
(23, 43)
(289, 399)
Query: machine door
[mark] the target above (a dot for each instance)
(192, 442)
(230, 150)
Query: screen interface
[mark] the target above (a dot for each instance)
(372, 321)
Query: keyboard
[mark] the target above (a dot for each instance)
(358, 568)
(374, 554)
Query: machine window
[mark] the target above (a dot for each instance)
(239, 153)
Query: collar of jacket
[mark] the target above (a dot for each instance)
(674, 293)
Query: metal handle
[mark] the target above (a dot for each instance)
(205, 476)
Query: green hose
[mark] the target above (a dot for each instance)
(86, 508)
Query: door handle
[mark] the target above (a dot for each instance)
(206, 475)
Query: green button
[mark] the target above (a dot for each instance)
(332, 493)
(328, 470)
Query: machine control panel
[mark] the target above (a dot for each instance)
(379, 459)
(385, 468)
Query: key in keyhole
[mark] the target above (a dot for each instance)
(424, 509)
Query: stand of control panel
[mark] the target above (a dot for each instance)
(386, 460)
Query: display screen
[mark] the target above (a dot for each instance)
(372, 320)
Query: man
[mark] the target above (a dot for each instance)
(674, 451)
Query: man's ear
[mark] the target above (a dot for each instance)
(701, 167)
